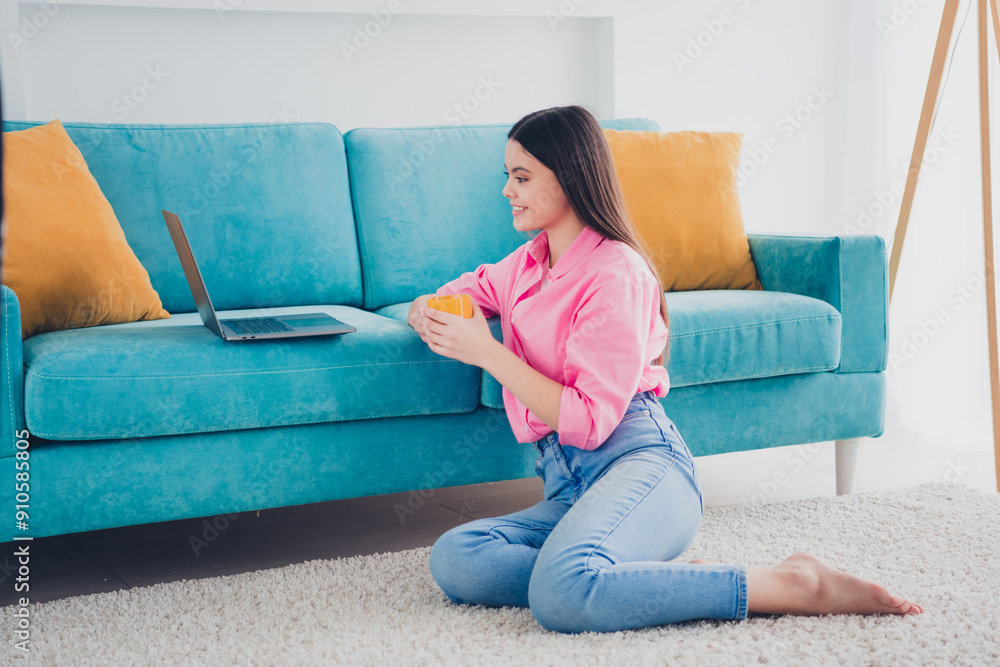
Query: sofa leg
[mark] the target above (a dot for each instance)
(848, 454)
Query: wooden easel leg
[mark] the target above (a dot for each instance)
(984, 134)
(923, 130)
(919, 145)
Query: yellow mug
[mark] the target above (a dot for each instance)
(456, 304)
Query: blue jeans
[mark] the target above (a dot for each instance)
(593, 556)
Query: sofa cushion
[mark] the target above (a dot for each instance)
(167, 377)
(266, 208)
(681, 192)
(726, 335)
(65, 254)
(428, 204)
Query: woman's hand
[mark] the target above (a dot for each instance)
(453, 336)
(415, 317)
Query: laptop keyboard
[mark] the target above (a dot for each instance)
(251, 325)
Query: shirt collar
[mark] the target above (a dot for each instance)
(581, 246)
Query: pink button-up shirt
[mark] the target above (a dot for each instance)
(595, 328)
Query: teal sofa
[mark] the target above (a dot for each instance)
(160, 420)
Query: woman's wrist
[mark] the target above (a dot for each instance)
(494, 356)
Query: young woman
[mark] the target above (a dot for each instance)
(582, 364)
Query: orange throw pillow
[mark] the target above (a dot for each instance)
(65, 255)
(680, 191)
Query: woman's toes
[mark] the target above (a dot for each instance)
(896, 604)
(888, 598)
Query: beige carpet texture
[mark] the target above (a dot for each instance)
(937, 544)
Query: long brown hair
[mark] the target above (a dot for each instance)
(569, 141)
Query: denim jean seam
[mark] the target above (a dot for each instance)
(742, 601)
(662, 434)
(586, 562)
(563, 464)
(571, 470)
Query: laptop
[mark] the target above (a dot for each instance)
(245, 328)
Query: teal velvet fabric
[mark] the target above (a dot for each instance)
(165, 377)
(778, 411)
(266, 208)
(726, 335)
(428, 204)
(490, 391)
(11, 371)
(101, 484)
(848, 272)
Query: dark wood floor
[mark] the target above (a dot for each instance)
(119, 558)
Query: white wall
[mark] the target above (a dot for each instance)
(777, 71)
(760, 62)
(195, 66)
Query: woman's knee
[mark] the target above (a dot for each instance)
(558, 600)
(446, 558)
(453, 562)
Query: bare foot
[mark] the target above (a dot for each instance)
(804, 584)
(699, 560)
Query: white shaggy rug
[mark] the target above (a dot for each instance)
(937, 544)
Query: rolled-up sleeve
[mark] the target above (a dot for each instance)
(605, 357)
(484, 284)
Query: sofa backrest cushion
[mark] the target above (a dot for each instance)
(266, 208)
(428, 204)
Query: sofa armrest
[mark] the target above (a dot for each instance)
(848, 272)
(11, 371)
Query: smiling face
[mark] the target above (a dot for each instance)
(537, 199)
